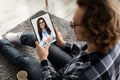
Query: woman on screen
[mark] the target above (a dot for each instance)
(44, 31)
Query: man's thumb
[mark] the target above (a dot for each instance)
(48, 45)
(37, 44)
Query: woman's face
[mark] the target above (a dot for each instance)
(42, 24)
(78, 28)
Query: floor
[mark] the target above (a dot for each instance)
(14, 12)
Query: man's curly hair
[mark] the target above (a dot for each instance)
(102, 22)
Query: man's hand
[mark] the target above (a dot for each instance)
(42, 52)
(60, 42)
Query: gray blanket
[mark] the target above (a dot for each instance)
(7, 70)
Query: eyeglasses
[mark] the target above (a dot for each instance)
(41, 22)
(73, 25)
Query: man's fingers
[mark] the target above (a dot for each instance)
(56, 30)
(38, 45)
(48, 45)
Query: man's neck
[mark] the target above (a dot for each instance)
(91, 48)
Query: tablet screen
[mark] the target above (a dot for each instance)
(43, 29)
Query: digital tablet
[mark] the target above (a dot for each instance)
(44, 29)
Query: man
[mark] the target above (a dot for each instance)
(95, 22)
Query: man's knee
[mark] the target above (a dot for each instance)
(28, 39)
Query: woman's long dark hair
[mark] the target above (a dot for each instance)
(40, 30)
